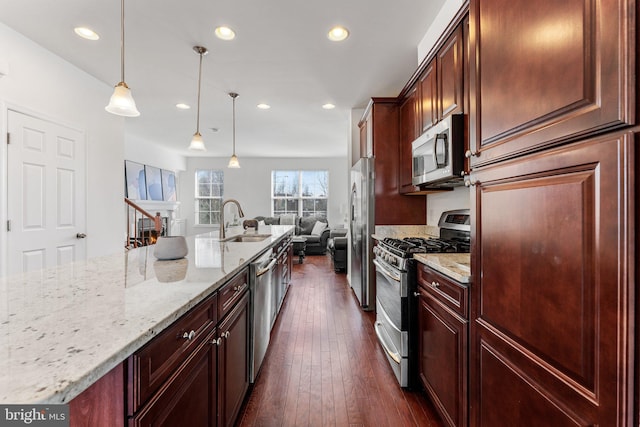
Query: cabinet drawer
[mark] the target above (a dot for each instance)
(447, 291)
(231, 292)
(149, 367)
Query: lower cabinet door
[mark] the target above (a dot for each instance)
(233, 362)
(443, 340)
(188, 398)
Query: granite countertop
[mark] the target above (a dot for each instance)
(455, 266)
(63, 328)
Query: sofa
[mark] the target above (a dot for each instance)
(338, 248)
(316, 243)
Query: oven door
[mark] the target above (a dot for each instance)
(391, 309)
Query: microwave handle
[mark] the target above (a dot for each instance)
(440, 150)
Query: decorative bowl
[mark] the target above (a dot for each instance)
(170, 247)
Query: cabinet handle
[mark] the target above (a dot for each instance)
(468, 154)
(225, 334)
(238, 288)
(216, 341)
(416, 294)
(435, 284)
(470, 182)
(189, 335)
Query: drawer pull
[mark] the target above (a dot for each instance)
(216, 341)
(416, 294)
(435, 284)
(225, 334)
(189, 335)
(239, 288)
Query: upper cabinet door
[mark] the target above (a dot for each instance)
(547, 72)
(428, 97)
(450, 75)
(409, 125)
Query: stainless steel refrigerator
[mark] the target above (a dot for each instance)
(361, 226)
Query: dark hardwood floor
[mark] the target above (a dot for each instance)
(324, 366)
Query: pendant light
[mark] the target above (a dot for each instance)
(197, 144)
(233, 161)
(121, 102)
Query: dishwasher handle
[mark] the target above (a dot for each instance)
(266, 269)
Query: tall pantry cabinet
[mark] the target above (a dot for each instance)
(553, 300)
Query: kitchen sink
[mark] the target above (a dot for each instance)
(248, 238)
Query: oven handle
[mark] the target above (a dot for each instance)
(384, 270)
(382, 337)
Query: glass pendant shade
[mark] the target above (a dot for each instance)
(197, 144)
(121, 102)
(233, 162)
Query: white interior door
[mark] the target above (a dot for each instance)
(46, 194)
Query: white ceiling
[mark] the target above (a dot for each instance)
(281, 56)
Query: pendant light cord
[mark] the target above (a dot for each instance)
(122, 40)
(199, 81)
(234, 125)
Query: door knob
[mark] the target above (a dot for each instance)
(80, 236)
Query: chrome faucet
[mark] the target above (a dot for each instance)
(223, 233)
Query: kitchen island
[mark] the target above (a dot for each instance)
(63, 328)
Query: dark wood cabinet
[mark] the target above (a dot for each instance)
(188, 397)
(438, 92)
(547, 73)
(428, 85)
(409, 131)
(152, 365)
(443, 344)
(441, 83)
(382, 121)
(450, 76)
(233, 362)
(553, 305)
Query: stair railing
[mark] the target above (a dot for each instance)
(141, 240)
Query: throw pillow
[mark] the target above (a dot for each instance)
(318, 228)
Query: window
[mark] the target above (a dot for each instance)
(304, 193)
(209, 192)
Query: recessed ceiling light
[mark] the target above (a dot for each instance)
(225, 33)
(183, 106)
(328, 106)
(86, 33)
(338, 33)
(263, 106)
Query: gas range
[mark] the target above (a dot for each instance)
(455, 232)
(396, 290)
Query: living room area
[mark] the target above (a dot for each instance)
(253, 185)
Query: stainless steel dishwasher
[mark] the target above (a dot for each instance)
(260, 283)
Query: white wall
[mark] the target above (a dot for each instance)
(41, 83)
(251, 184)
(448, 11)
(459, 198)
(148, 153)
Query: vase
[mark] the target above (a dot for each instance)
(170, 247)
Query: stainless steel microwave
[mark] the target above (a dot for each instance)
(438, 154)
